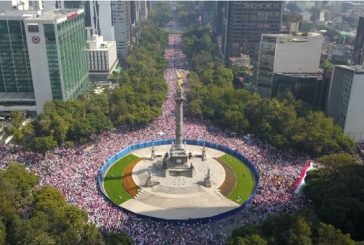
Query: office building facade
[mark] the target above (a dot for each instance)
(102, 58)
(135, 12)
(121, 20)
(110, 19)
(358, 51)
(246, 21)
(308, 87)
(52, 47)
(143, 10)
(345, 101)
(16, 84)
(286, 53)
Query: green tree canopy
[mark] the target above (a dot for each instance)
(30, 214)
(288, 229)
(338, 197)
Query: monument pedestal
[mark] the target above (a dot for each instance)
(176, 163)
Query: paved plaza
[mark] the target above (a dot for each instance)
(179, 197)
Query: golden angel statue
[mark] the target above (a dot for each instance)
(180, 77)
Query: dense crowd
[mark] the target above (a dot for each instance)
(74, 172)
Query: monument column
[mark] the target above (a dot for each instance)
(179, 117)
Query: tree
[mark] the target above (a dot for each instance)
(187, 13)
(249, 240)
(31, 214)
(318, 134)
(20, 132)
(17, 176)
(235, 121)
(327, 234)
(338, 159)
(43, 144)
(337, 196)
(287, 229)
(325, 64)
(17, 119)
(160, 14)
(2, 233)
(117, 239)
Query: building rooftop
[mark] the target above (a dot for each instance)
(59, 15)
(300, 34)
(357, 69)
(98, 43)
(318, 75)
(299, 37)
(18, 14)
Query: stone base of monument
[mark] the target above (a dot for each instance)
(178, 172)
(207, 182)
(176, 163)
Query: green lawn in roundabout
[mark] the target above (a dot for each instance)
(113, 182)
(244, 184)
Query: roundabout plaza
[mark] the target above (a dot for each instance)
(178, 180)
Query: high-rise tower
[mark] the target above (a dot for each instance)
(246, 21)
(42, 57)
(358, 52)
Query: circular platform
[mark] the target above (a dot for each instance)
(178, 197)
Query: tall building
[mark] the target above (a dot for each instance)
(286, 53)
(308, 87)
(42, 55)
(143, 10)
(135, 12)
(121, 20)
(89, 6)
(102, 58)
(246, 21)
(208, 12)
(110, 19)
(106, 27)
(7, 5)
(16, 84)
(345, 101)
(358, 52)
(50, 5)
(219, 25)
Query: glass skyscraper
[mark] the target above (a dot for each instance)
(42, 57)
(15, 74)
(246, 21)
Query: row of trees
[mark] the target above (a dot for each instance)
(160, 14)
(284, 123)
(187, 13)
(288, 229)
(30, 214)
(136, 102)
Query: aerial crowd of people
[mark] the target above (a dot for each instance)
(74, 172)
